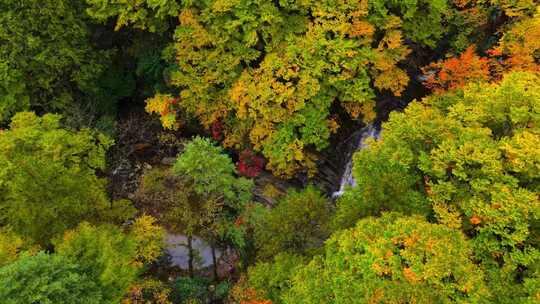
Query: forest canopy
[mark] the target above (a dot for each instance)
(269, 152)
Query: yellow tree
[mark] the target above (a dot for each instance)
(269, 72)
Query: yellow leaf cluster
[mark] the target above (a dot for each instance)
(163, 105)
(366, 109)
(393, 79)
(149, 236)
(389, 52)
(447, 215)
(521, 44)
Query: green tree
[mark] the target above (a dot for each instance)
(471, 156)
(271, 280)
(198, 290)
(392, 259)
(423, 21)
(91, 264)
(47, 60)
(297, 225)
(381, 184)
(201, 196)
(221, 195)
(48, 176)
(47, 279)
(105, 254)
(151, 15)
(212, 173)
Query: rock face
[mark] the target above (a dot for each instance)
(124, 178)
(328, 175)
(141, 144)
(268, 188)
(134, 148)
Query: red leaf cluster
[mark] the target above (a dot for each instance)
(250, 165)
(216, 129)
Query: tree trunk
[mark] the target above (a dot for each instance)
(190, 260)
(214, 260)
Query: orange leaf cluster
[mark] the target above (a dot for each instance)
(360, 28)
(257, 302)
(409, 275)
(455, 72)
(245, 295)
(475, 220)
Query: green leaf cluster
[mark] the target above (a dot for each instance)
(47, 58)
(47, 279)
(298, 224)
(272, 279)
(105, 254)
(151, 15)
(48, 176)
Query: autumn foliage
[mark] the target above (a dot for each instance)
(463, 157)
(249, 164)
(455, 72)
(242, 294)
(391, 259)
(519, 47)
(189, 151)
(517, 50)
(270, 72)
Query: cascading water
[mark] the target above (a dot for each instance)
(347, 179)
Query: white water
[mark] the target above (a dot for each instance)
(347, 179)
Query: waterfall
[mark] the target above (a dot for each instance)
(347, 179)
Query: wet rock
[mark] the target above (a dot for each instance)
(141, 146)
(328, 174)
(269, 188)
(168, 161)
